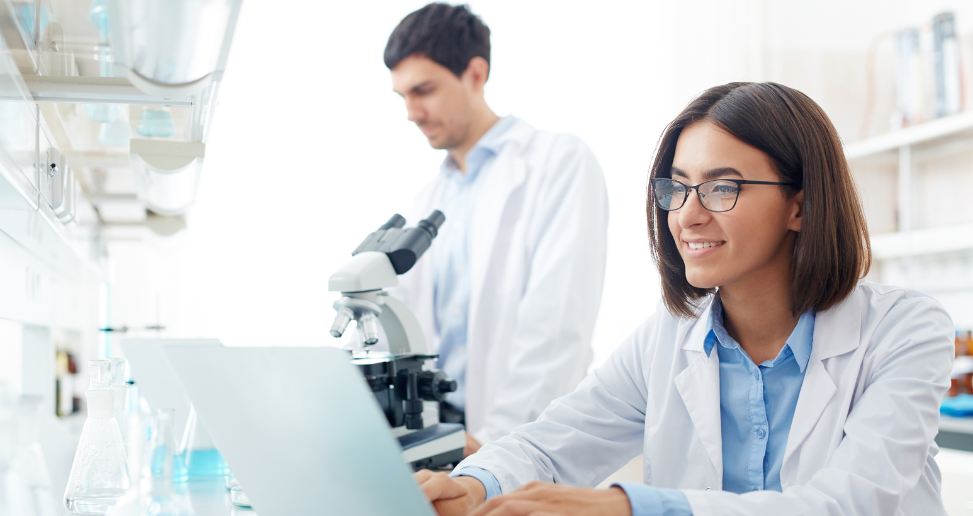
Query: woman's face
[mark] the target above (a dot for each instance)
(745, 244)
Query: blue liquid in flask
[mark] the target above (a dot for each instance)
(199, 463)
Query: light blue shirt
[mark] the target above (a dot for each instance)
(757, 404)
(451, 255)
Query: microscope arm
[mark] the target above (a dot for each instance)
(401, 328)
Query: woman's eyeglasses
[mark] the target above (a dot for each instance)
(715, 195)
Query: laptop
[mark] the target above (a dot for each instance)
(300, 429)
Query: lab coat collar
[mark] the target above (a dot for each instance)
(491, 143)
(800, 341)
(837, 331)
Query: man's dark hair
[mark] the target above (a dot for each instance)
(449, 35)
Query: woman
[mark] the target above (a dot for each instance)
(772, 381)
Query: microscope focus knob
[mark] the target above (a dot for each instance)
(434, 385)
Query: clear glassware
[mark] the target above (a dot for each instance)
(230, 481)
(8, 442)
(99, 474)
(198, 455)
(160, 497)
(153, 494)
(155, 123)
(239, 497)
(119, 383)
(29, 465)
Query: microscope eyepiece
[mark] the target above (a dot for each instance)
(433, 222)
(397, 221)
(403, 245)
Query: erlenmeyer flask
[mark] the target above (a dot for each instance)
(29, 464)
(99, 475)
(198, 453)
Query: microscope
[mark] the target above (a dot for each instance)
(406, 389)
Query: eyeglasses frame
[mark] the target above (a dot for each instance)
(739, 183)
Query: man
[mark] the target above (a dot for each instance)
(510, 289)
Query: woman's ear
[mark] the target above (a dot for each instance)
(796, 207)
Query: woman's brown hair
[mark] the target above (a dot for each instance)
(831, 252)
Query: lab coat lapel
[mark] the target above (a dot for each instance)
(699, 387)
(836, 331)
(505, 175)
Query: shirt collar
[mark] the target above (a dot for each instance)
(799, 342)
(490, 143)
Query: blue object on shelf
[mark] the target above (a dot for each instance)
(958, 406)
(103, 113)
(155, 124)
(98, 16)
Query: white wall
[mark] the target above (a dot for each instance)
(310, 149)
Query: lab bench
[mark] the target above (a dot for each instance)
(209, 498)
(955, 433)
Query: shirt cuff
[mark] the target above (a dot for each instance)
(654, 501)
(490, 482)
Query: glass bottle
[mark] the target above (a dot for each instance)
(99, 474)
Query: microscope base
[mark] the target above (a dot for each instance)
(434, 447)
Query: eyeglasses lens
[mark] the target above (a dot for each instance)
(719, 195)
(715, 195)
(669, 194)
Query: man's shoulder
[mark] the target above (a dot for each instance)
(530, 140)
(552, 156)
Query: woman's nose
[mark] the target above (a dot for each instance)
(692, 212)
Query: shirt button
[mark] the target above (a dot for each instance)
(761, 433)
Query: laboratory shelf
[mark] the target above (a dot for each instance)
(82, 90)
(955, 433)
(943, 239)
(912, 135)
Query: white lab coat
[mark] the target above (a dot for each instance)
(861, 442)
(537, 265)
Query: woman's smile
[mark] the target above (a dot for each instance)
(699, 248)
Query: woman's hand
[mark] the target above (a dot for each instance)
(544, 499)
(451, 496)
